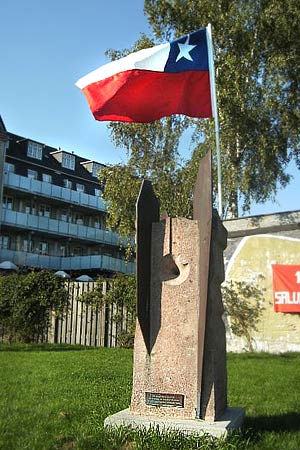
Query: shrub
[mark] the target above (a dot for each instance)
(243, 305)
(121, 291)
(26, 302)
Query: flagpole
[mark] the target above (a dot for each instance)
(215, 115)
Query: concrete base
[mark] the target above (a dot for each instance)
(232, 418)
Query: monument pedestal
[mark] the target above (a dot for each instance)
(232, 418)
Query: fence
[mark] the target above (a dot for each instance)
(98, 326)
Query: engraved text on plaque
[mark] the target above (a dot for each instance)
(164, 400)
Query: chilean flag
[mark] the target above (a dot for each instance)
(171, 78)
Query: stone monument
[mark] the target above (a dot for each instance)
(179, 375)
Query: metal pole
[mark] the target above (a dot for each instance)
(215, 114)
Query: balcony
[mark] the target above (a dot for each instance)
(58, 227)
(101, 262)
(97, 261)
(52, 191)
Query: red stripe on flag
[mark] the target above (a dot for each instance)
(144, 96)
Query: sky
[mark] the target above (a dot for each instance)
(46, 46)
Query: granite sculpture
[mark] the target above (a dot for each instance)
(179, 375)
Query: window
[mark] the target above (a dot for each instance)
(68, 161)
(34, 150)
(32, 174)
(64, 215)
(5, 242)
(79, 187)
(96, 168)
(98, 192)
(78, 251)
(98, 222)
(47, 178)
(67, 183)
(44, 210)
(30, 208)
(78, 218)
(27, 245)
(7, 202)
(43, 248)
(8, 167)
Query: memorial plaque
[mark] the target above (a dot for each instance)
(164, 400)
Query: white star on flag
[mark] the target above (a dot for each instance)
(184, 50)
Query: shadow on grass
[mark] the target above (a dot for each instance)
(280, 423)
(43, 348)
(262, 356)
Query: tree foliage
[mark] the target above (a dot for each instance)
(257, 59)
(153, 154)
(26, 302)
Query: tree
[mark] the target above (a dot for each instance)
(257, 62)
(153, 154)
(257, 59)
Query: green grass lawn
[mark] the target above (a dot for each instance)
(56, 397)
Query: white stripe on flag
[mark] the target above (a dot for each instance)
(153, 58)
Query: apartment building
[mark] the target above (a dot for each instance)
(53, 215)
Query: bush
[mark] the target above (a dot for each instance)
(121, 291)
(243, 304)
(26, 303)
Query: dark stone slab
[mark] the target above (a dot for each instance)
(202, 212)
(147, 212)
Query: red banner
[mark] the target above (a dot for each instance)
(286, 288)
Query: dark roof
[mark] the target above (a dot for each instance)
(3, 132)
(2, 126)
(18, 149)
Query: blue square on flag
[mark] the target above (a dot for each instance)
(188, 53)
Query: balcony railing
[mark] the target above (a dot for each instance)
(94, 261)
(58, 227)
(53, 191)
(101, 262)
